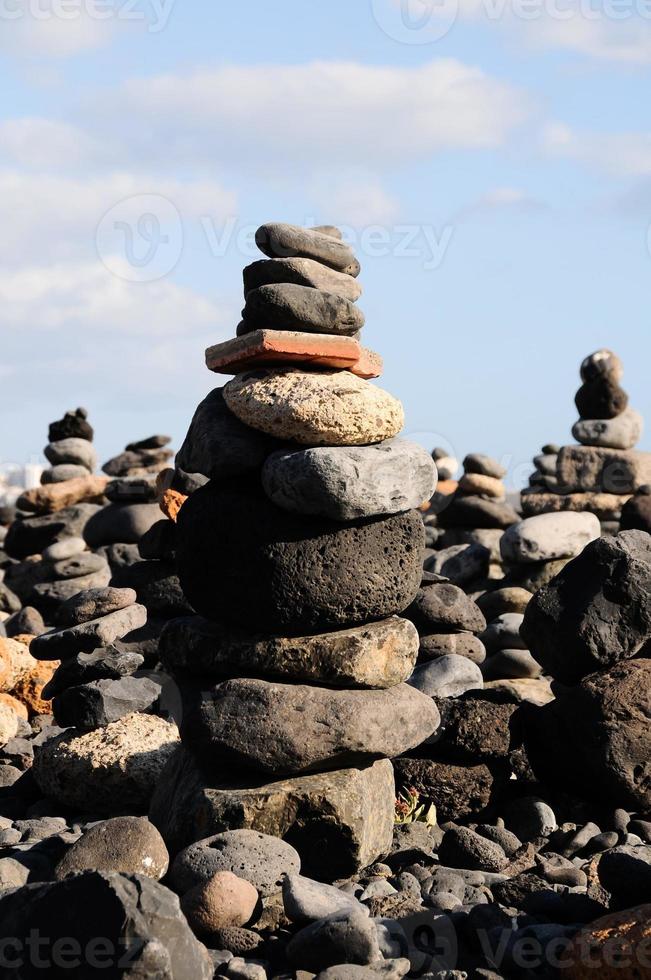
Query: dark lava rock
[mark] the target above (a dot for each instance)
(477, 512)
(596, 612)
(601, 398)
(159, 542)
(143, 932)
(636, 512)
(595, 739)
(218, 445)
(447, 607)
(120, 523)
(31, 535)
(625, 873)
(288, 306)
(515, 892)
(457, 791)
(151, 442)
(109, 663)
(243, 560)
(463, 848)
(157, 586)
(479, 726)
(73, 425)
(101, 702)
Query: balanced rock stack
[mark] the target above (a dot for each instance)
(604, 469)
(471, 524)
(298, 556)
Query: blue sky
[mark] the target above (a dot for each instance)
(489, 159)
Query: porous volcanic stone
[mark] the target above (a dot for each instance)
(315, 408)
(338, 821)
(292, 728)
(73, 425)
(595, 738)
(458, 791)
(302, 272)
(378, 654)
(286, 306)
(593, 469)
(258, 858)
(479, 726)
(601, 398)
(243, 560)
(603, 363)
(596, 612)
(108, 770)
(445, 606)
(610, 945)
(141, 924)
(346, 482)
(219, 445)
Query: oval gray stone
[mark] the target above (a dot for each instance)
(287, 306)
(294, 728)
(447, 677)
(622, 432)
(347, 482)
(283, 241)
(79, 452)
(548, 537)
(302, 272)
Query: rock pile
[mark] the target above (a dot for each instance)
(299, 556)
(601, 472)
(469, 524)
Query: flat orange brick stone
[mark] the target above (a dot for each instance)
(269, 347)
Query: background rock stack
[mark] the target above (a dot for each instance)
(470, 524)
(70, 448)
(299, 556)
(604, 469)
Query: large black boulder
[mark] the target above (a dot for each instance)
(243, 560)
(596, 612)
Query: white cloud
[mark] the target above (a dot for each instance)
(48, 218)
(624, 154)
(275, 119)
(604, 38)
(354, 198)
(85, 300)
(34, 142)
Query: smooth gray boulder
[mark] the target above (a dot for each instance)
(622, 432)
(547, 537)
(347, 482)
(302, 272)
(292, 728)
(79, 452)
(305, 900)
(120, 524)
(283, 241)
(447, 677)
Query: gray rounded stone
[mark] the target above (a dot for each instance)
(63, 472)
(292, 728)
(510, 664)
(88, 636)
(283, 241)
(93, 603)
(447, 677)
(120, 523)
(302, 272)
(503, 633)
(305, 900)
(286, 306)
(258, 858)
(68, 548)
(131, 845)
(622, 432)
(79, 452)
(548, 537)
(348, 482)
(445, 606)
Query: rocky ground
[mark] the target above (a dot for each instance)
(302, 703)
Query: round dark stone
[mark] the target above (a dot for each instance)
(601, 398)
(243, 560)
(73, 425)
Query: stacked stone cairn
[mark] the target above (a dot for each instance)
(470, 523)
(604, 469)
(298, 555)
